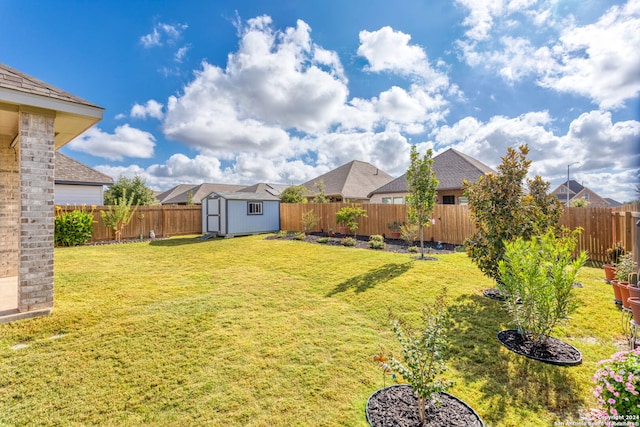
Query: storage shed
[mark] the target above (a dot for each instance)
(239, 214)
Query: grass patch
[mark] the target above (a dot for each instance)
(254, 332)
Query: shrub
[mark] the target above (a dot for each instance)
(376, 242)
(423, 352)
(299, 236)
(618, 386)
(409, 233)
(73, 228)
(413, 249)
(281, 234)
(625, 266)
(348, 241)
(537, 277)
(309, 221)
(323, 240)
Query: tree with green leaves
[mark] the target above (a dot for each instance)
(321, 197)
(294, 194)
(119, 215)
(134, 187)
(422, 183)
(503, 209)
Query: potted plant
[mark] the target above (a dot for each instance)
(614, 253)
(537, 277)
(627, 276)
(395, 228)
(348, 216)
(617, 393)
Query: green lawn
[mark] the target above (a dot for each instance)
(254, 332)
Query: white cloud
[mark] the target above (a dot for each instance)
(124, 142)
(597, 60)
(387, 50)
(181, 53)
(151, 109)
(162, 33)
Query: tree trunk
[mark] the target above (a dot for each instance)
(421, 241)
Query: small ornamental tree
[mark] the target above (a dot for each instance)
(423, 352)
(501, 210)
(294, 194)
(348, 216)
(422, 183)
(537, 277)
(119, 215)
(321, 197)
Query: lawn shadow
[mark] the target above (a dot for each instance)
(180, 241)
(506, 379)
(371, 278)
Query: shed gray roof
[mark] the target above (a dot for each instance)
(70, 171)
(451, 168)
(354, 180)
(240, 195)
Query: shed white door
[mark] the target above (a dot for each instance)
(213, 215)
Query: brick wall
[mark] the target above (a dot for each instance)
(36, 153)
(9, 209)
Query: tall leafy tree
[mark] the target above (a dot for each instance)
(503, 209)
(422, 183)
(126, 188)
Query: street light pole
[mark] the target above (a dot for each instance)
(568, 166)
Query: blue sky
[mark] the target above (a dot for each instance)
(254, 91)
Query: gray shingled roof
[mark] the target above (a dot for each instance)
(239, 195)
(10, 78)
(264, 188)
(451, 168)
(354, 180)
(180, 193)
(70, 171)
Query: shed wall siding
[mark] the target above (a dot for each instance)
(239, 222)
(36, 153)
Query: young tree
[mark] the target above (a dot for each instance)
(119, 215)
(502, 210)
(294, 194)
(422, 182)
(321, 196)
(134, 187)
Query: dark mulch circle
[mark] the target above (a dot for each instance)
(397, 406)
(554, 351)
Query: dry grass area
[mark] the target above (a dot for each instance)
(255, 332)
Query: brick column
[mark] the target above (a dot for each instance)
(35, 278)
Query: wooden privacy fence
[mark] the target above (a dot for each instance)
(601, 226)
(163, 220)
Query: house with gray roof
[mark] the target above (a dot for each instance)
(183, 193)
(36, 119)
(451, 167)
(353, 181)
(576, 191)
(77, 184)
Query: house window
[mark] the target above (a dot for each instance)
(463, 200)
(386, 200)
(586, 196)
(398, 200)
(448, 200)
(562, 189)
(254, 208)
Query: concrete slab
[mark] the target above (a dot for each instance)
(8, 294)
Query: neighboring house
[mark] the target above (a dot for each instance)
(577, 191)
(352, 181)
(240, 213)
(78, 184)
(451, 167)
(36, 119)
(180, 194)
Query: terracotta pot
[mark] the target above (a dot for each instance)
(617, 294)
(343, 230)
(624, 292)
(634, 292)
(395, 234)
(609, 272)
(634, 304)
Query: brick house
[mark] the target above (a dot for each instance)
(451, 168)
(35, 120)
(577, 191)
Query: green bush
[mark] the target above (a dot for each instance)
(348, 216)
(537, 277)
(376, 242)
(281, 234)
(348, 241)
(413, 249)
(299, 236)
(323, 240)
(73, 228)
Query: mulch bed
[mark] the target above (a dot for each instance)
(397, 406)
(554, 351)
(391, 245)
(123, 241)
(493, 293)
